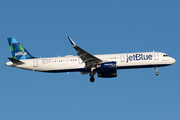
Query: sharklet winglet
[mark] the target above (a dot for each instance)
(71, 41)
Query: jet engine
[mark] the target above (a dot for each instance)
(108, 74)
(107, 65)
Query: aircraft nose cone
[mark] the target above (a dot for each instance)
(173, 60)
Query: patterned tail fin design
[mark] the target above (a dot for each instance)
(17, 50)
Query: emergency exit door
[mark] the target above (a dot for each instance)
(122, 58)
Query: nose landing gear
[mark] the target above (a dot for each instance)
(156, 71)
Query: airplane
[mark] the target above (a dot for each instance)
(105, 65)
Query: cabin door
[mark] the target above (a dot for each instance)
(35, 63)
(156, 56)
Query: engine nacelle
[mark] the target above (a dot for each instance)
(107, 65)
(108, 74)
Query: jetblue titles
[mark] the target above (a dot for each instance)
(136, 57)
(21, 53)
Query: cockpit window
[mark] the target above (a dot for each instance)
(165, 55)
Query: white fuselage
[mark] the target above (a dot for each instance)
(74, 63)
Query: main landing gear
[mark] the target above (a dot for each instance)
(156, 71)
(92, 79)
(92, 76)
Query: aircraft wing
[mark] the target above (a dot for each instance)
(87, 58)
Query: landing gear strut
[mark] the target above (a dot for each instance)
(92, 75)
(156, 71)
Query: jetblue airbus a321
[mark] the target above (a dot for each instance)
(105, 65)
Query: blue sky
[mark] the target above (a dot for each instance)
(99, 27)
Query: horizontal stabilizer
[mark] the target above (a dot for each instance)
(13, 60)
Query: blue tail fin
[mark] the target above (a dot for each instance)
(17, 50)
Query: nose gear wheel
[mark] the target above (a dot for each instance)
(156, 71)
(92, 79)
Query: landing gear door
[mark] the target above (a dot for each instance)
(156, 56)
(35, 63)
